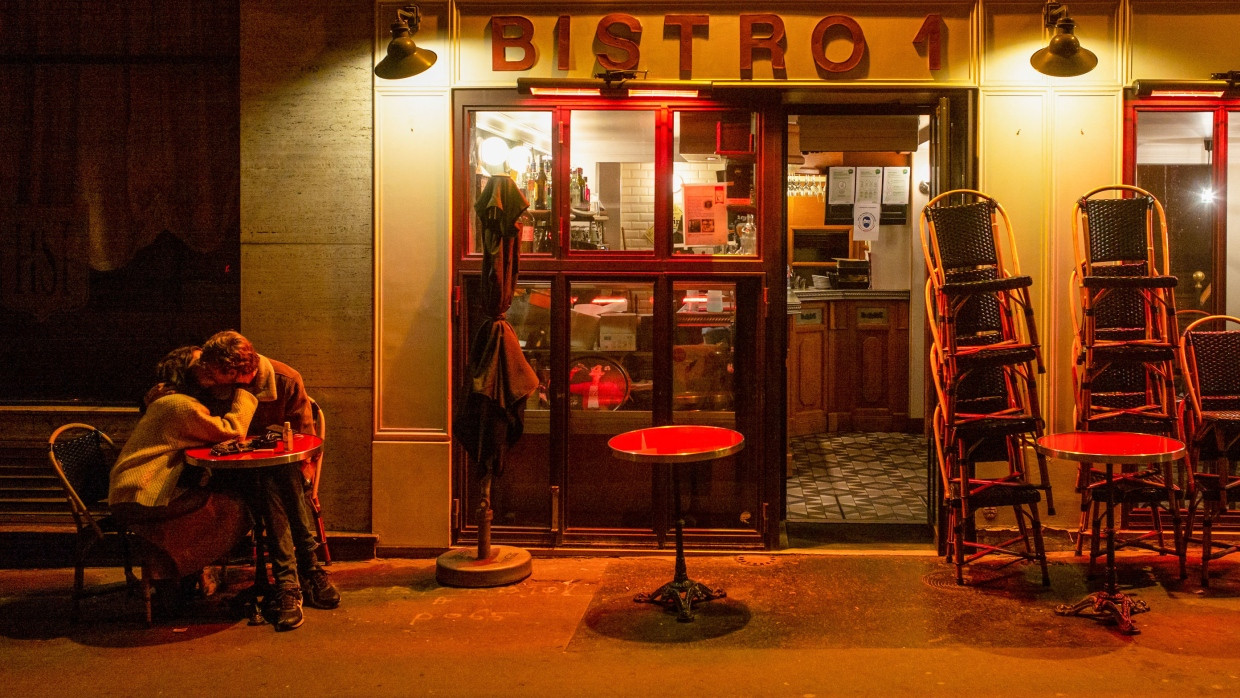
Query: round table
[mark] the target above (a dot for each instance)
(675, 445)
(1110, 448)
(304, 446)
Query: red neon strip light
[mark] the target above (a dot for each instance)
(662, 93)
(565, 91)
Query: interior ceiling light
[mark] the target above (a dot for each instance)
(404, 59)
(1063, 57)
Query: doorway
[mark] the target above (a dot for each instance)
(858, 457)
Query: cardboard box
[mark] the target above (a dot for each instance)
(617, 332)
(583, 330)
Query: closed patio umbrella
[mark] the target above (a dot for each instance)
(499, 382)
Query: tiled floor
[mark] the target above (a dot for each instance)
(858, 477)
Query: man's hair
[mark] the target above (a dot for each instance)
(229, 351)
(173, 369)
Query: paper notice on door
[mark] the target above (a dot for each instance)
(869, 185)
(895, 185)
(865, 221)
(706, 215)
(842, 183)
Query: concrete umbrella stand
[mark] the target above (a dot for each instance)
(488, 565)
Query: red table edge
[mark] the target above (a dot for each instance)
(206, 460)
(1125, 458)
(694, 457)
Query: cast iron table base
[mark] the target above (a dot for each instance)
(680, 593)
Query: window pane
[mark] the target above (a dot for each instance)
(516, 143)
(713, 184)
(1174, 152)
(523, 496)
(721, 493)
(1233, 213)
(610, 381)
(610, 193)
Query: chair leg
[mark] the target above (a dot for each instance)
(1207, 524)
(1177, 535)
(1086, 505)
(961, 522)
(145, 585)
(327, 553)
(79, 581)
(1095, 543)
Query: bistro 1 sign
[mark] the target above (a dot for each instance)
(758, 32)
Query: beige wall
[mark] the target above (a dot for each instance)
(1042, 142)
(306, 232)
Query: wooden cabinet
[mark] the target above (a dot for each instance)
(848, 363)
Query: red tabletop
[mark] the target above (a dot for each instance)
(676, 444)
(1111, 447)
(304, 446)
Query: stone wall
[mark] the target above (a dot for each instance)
(306, 219)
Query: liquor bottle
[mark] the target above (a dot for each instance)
(585, 192)
(531, 183)
(541, 190)
(574, 189)
(548, 178)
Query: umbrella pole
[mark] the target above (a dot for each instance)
(484, 519)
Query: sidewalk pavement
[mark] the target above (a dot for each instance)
(860, 622)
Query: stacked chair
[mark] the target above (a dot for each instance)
(1124, 352)
(984, 360)
(1210, 413)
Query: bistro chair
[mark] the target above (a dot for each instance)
(981, 319)
(980, 310)
(965, 492)
(1210, 361)
(312, 492)
(82, 458)
(1125, 343)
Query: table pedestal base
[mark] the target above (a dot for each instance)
(680, 596)
(1107, 604)
(461, 567)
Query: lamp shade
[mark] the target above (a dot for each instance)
(404, 59)
(1063, 57)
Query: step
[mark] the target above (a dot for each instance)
(32, 544)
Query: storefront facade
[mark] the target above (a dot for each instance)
(1033, 142)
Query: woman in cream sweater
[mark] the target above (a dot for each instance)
(149, 481)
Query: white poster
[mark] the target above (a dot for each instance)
(869, 185)
(842, 183)
(706, 215)
(895, 185)
(865, 221)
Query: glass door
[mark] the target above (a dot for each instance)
(1174, 162)
(1184, 152)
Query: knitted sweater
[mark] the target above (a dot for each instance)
(149, 467)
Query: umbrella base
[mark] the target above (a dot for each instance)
(460, 567)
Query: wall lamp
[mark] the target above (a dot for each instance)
(1063, 57)
(613, 83)
(1219, 86)
(404, 59)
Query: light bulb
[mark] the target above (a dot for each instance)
(493, 151)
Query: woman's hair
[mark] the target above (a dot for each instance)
(173, 369)
(229, 351)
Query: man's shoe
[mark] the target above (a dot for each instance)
(285, 608)
(318, 590)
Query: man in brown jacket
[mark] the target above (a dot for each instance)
(278, 494)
